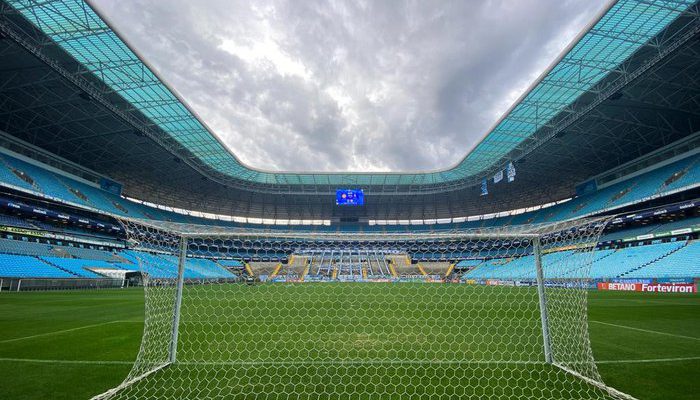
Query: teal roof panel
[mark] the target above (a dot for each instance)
(623, 29)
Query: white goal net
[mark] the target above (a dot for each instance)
(484, 314)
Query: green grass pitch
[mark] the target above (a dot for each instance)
(75, 344)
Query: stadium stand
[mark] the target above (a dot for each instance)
(165, 266)
(626, 259)
(661, 260)
(17, 266)
(658, 173)
(633, 232)
(230, 263)
(266, 269)
(626, 233)
(207, 268)
(683, 261)
(681, 174)
(19, 247)
(657, 260)
(10, 220)
(41, 260)
(610, 127)
(78, 267)
(89, 254)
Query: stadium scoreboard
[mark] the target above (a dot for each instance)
(349, 197)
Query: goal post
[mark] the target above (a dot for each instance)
(492, 313)
(182, 258)
(542, 299)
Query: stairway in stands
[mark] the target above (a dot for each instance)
(422, 270)
(449, 270)
(298, 267)
(622, 275)
(392, 268)
(401, 266)
(249, 270)
(59, 251)
(276, 271)
(14, 174)
(306, 271)
(58, 267)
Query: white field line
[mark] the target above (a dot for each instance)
(279, 363)
(647, 330)
(648, 360)
(78, 362)
(350, 362)
(66, 330)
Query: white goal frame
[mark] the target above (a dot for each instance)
(536, 233)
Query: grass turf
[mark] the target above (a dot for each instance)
(68, 345)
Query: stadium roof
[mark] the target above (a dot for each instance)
(620, 31)
(626, 87)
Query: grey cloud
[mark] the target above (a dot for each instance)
(390, 85)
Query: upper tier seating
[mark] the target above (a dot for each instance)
(680, 224)
(71, 190)
(652, 228)
(680, 174)
(627, 233)
(10, 220)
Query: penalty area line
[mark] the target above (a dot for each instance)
(648, 360)
(66, 330)
(646, 330)
(78, 362)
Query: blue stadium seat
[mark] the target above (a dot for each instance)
(684, 262)
(17, 266)
(77, 266)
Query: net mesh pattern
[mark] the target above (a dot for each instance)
(441, 315)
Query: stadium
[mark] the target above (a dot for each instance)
(140, 258)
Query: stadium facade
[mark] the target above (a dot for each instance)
(89, 132)
(91, 135)
(74, 90)
(591, 180)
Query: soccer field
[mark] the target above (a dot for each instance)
(287, 339)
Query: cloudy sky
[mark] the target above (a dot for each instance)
(350, 86)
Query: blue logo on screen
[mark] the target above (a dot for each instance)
(346, 197)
